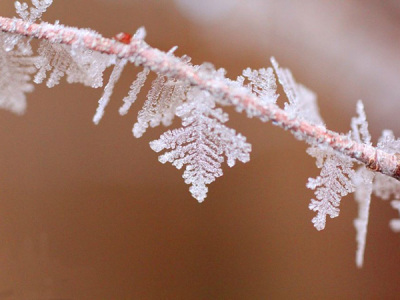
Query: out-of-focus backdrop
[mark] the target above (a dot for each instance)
(87, 212)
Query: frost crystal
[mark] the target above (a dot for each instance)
(201, 143)
(88, 67)
(34, 13)
(16, 67)
(362, 181)
(302, 101)
(80, 65)
(385, 186)
(262, 84)
(162, 101)
(31, 15)
(16, 61)
(164, 96)
(333, 183)
(115, 74)
(151, 106)
(363, 189)
(135, 88)
(359, 126)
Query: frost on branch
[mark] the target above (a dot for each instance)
(114, 77)
(78, 64)
(260, 83)
(165, 95)
(302, 101)
(333, 183)
(151, 107)
(160, 106)
(201, 143)
(16, 67)
(362, 180)
(16, 61)
(31, 15)
(135, 88)
(359, 126)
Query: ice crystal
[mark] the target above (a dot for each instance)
(201, 143)
(115, 74)
(388, 142)
(385, 186)
(333, 183)
(16, 67)
(259, 83)
(359, 126)
(362, 180)
(302, 102)
(16, 61)
(135, 88)
(78, 64)
(162, 100)
(262, 83)
(140, 33)
(34, 13)
(146, 115)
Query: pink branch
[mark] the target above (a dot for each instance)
(142, 54)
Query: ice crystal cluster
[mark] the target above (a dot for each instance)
(204, 141)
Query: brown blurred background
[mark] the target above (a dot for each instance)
(87, 212)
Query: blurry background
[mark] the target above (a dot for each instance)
(87, 212)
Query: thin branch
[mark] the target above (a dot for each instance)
(142, 54)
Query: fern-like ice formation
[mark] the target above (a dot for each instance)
(16, 61)
(34, 12)
(262, 83)
(333, 183)
(78, 64)
(201, 143)
(160, 106)
(193, 93)
(302, 102)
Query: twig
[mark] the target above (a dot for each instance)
(142, 54)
